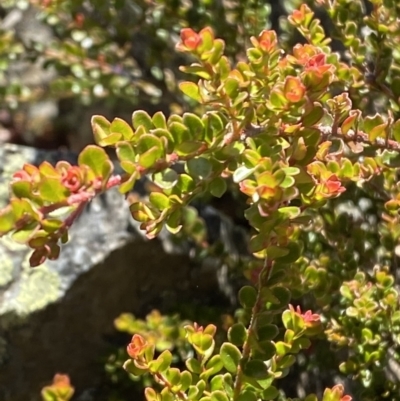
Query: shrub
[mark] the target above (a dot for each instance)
(311, 138)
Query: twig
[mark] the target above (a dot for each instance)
(262, 280)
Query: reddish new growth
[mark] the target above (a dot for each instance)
(267, 41)
(60, 389)
(339, 390)
(136, 346)
(72, 178)
(61, 380)
(21, 176)
(309, 318)
(209, 329)
(331, 187)
(294, 90)
(190, 39)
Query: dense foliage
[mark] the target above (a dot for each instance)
(310, 137)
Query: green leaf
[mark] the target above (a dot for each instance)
(217, 51)
(230, 356)
(275, 252)
(277, 99)
(270, 393)
(159, 200)
(46, 169)
(125, 152)
(173, 223)
(282, 294)
(141, 119)
(389, 158)
(121, 127)
(214, 126)
(167, 137)
(264, 318)
(294, 249)
(179, 132)
(282, 348)
(217, 383)
(370, 122)
(193, 393)
(22, 189)
(231, 86)
(95, 158)
(186, 380)
(196, 69)
(141, 212)
(101, 128)
(7, 220)
(149, 158)
(128, 166)
(242, 173)
(256, 369)
(128, 185)
(290, 212)
(267, 332)
(111, 140)
(131, 368)
(166, 179)
(188, 147)
(313, 116)
(287, 182)
(267, 348)
(191, 90)
(218, 187)
(237, 334)
(287, 361)
(51, 225)
(378, 132)
(162, 363)
(219, 396)
(174, 376)
(195, 125)
(248, 395)
(147, 142)
(396, 130)
(185, 184)
(159, 120)
(224, 67)
(291, 170)
(248, 296)
(151, 395)
(202, 342)
(199, 167)
(167, 395)
(213, 366)
(108, 168)
(350, 121)
(150, 149)
(51, 190)
(193, 365)
(228, 384)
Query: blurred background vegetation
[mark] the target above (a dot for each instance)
(62, 61)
